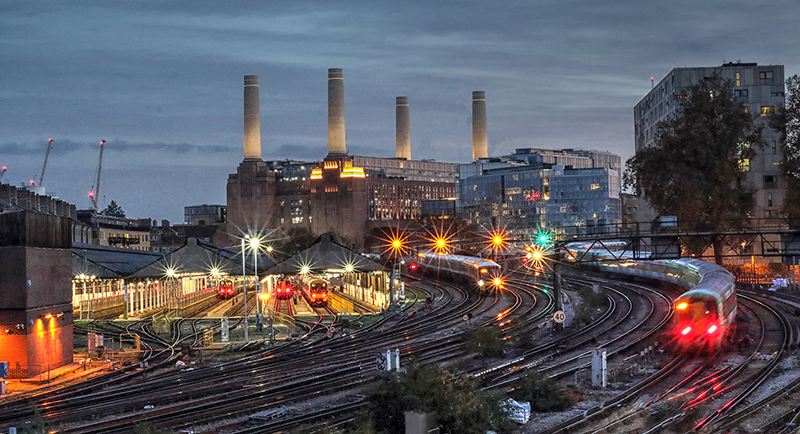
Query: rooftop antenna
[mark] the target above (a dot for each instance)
(652, 82)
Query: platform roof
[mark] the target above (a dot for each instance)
(325, 254)
(197, 256)
(107, 262)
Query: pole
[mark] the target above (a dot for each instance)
(244, 284)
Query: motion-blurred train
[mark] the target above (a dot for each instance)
(316, 293)
(225, 289)
(284, 290)
(483, 274)
(704, 313)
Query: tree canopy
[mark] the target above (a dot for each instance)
(113, 210)
(786, 122)
(454, 398)
(696, 170)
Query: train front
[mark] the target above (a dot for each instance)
(697, 321)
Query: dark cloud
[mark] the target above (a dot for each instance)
(162, 81)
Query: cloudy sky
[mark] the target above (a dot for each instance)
(161, 81)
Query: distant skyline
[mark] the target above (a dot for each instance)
(161, 82)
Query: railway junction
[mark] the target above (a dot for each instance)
(751, 384)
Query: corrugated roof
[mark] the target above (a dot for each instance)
(326, 254)
(109, 262)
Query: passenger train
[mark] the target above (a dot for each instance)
(704, 313)
(225, 289)
(482, 273)
(316, 292)
(284, 290)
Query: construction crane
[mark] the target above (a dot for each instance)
(95, 191)
(46, 155)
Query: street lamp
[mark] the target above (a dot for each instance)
(244, 284)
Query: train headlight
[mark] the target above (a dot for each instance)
(498, 281)
(686, 331)
(712, 329)
(682, 306)
(481, 283)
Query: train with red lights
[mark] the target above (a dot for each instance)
(225, 289)
(316, 292)
(704, 312)
(284, 290)
(481, 273)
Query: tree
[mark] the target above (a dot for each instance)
(113, 210)
(786, 122)
(484, 341)
(696, 169)
(541, 391)
(298, 239)
(453, 397)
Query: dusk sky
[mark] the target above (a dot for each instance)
(161, 81)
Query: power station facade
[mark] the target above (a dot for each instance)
(343, 194)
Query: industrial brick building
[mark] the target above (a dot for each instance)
(343, 194)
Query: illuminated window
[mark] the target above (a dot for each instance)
(738, 79)
(595, 186)
(744, 165)
(765, 74)
(767, 110)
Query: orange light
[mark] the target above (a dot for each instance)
(682, 306)
(712, 329)
(686, 331)
(498, 281)
(484, 271)
(263, 296)
(48, 316)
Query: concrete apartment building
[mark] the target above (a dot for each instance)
(760, 88)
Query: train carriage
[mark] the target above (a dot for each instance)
(225, 289)
(316, 292)
(284, 290)
(481, 273)
(704, 314)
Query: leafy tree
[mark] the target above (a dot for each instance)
(786, 122)
(298, 239)
(113, 210)
(484, 341)
(695, 168)
(541, 391)
(453, 397)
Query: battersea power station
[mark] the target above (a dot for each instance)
(344, 194)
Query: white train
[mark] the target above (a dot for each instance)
(483, 274)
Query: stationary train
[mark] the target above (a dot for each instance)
(704, 314)
(225, 289)
(483, 274)
(316, 292)
(284, 290)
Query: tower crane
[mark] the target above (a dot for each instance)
(95, 191)
(3, 172)
(46, 155)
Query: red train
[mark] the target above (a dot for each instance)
(225, 289)
(317, 293)
(284, 290)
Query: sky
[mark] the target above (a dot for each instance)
(161, 81)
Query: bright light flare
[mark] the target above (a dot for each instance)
(497, 240)
(395, 244)
(304, 269)
(712, 329)
(682, 306)
(686, 331)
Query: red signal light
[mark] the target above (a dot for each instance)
(32, 182)
(51, 139)
(413, 266)
(91, 193)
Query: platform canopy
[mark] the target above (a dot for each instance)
(106, 262)
(197, 256)
(326, 255)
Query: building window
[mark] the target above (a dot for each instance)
(595, 186)
(767, 213)
(744, 165)
(740, 92)
(769, 199)
(777, 94)
(738, 78)
(769, 181)
(765, 74)
(767, 110)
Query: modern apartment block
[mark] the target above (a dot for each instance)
(760, 88)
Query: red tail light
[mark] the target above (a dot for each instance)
(686, 331)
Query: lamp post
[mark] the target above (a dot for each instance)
(244, 285)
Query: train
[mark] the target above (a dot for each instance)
(284, 290)
(704, 314)
(316, 292)
(225, 289)
(481, 273)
